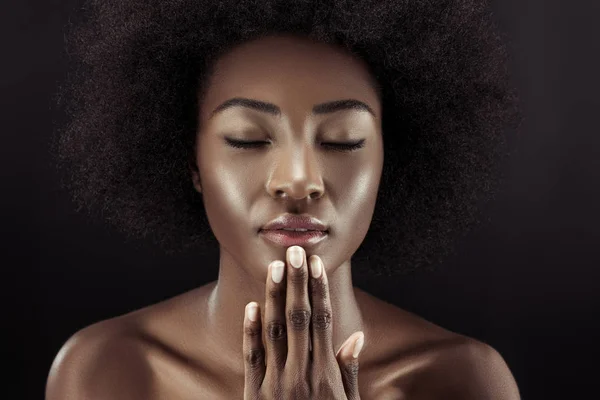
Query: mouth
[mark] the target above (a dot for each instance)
(294, 237)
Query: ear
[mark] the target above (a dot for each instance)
(195, 175)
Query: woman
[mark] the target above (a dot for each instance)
(247, 118)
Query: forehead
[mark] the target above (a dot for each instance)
(291, 72)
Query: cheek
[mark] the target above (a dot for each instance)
(355, 203)
(225, 196)
(229, 187)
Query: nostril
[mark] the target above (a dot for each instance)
(315, 195)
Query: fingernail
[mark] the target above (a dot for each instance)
(251, 311)
(295, 255)
(316, 267)
(277, 271)
(358, 345)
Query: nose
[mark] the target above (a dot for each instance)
(296, 174)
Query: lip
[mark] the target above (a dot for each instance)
(293, 221)
(290, 238)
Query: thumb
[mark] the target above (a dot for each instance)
(352, 346)
(347, 358)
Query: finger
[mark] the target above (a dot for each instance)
(347, 358)
(254, 360)
(298, 312)
(322, 328)
(275, 323)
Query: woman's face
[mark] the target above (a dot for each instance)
(295, 171)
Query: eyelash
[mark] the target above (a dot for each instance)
(335, 146)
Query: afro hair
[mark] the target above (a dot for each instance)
(129, 115)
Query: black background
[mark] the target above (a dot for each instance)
(525, 283)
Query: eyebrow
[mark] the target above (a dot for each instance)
(270, 108)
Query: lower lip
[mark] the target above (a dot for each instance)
(291, 238)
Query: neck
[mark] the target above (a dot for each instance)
(236, 287)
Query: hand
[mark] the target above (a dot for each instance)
(289, 369)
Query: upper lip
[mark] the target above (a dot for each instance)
(292, 221)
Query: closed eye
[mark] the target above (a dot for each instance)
(333, 146)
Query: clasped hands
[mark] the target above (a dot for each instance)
(297, 310)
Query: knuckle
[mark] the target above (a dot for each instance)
(323, 389)
(301, 390)
(255, 357)
(274, 293)
(299, 318)
(252, 330)
(299, 276)
(351, 369)
(297, 386)
(276, 330)
(318, 289)
(321, 319)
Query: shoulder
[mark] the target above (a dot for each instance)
(463, 368)
(432, 362)
(105, 360)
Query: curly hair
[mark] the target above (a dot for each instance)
(138, 68)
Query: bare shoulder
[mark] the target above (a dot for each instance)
(102, 361)
(453, 366)
(144, 354)
(465, 368)
(431, 362)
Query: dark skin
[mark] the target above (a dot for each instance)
(196, 345)
(297, 325)
(297, 174)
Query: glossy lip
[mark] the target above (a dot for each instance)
(289, 238)
(293, 221)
